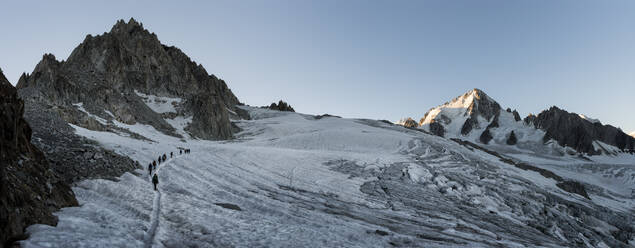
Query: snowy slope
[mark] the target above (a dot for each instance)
(299, 181)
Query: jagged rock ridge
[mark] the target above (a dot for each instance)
(572, 130)
(281, 106)
(113, 75)
(29, 191)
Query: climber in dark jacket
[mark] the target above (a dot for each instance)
(180, 152)
(154, 164)
(159, 159)
(155, 181)
(150, 168)
(171, 155)
(164, 157)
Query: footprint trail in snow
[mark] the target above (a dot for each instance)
(156, 208)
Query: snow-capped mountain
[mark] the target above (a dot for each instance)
(476, 117)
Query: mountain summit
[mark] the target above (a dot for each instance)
(475, 116)
(462, 114)
(128, 76)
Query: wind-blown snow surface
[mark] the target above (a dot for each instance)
(330, 182)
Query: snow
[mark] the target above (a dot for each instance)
(279, 171)
(180, 123)
(80, 107)
(160, 104)
(592, 120)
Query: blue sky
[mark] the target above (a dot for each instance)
(369, 59)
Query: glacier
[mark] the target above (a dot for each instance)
(293, 180)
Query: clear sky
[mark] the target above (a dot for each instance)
(369, 59)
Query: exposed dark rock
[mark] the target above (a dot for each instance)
(509, 110)
(29, 192)
(468, 125)
(512, 140)
(229, 206)
(569, 129)
(317, 117)
(281, 106)
(494, 122)
(105, 71)
(437, 129)
(529, 119)
(381, 233)
(486, 136)
(573, 187)
(516, 115)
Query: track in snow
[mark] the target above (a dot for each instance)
(156, 208)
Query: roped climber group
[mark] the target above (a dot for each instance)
(153, 166)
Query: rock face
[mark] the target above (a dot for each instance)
(29, 191)
(486, 136)
(70, 156)
(437, 129)
(124, 73)
(512, 140)
(281, 106)
(571, 130)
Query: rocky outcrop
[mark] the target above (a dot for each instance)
(486, 136)
(437, 129)
(512, 140)
(569, 129)
(516, 115)
(468, 125)
(494, 122)
(281, 106)
(114, 72)
(409, 123)
(29, 191)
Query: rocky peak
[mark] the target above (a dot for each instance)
(124, 27)
(571, 130)
(119, 72)
(408, 122)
